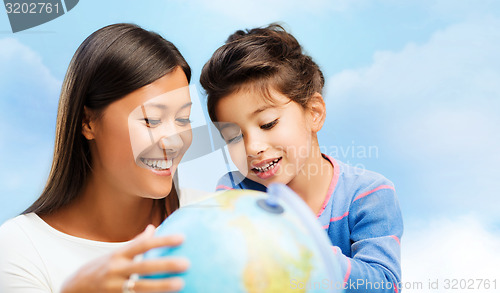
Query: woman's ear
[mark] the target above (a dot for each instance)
(87, 124)
(317, 111)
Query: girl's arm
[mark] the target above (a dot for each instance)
(376, 227)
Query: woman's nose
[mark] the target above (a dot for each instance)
(172, 142)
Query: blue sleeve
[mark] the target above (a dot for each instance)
(225, 183)
(235, 180)
(376, 226)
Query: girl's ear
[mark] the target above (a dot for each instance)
(317, 111)
(87, 124)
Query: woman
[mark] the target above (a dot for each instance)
(122, 128)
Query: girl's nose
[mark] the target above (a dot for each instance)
(254, 148)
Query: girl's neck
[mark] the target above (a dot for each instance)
(103, 214)
(313, 181)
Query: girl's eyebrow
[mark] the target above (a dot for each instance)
(261, 109)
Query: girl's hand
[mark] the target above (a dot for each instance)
(112, 272)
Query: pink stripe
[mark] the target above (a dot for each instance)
(223, 187)
(348, 273)
(396, 238)
(336, 219)
(333, 183)
(334, 249)
(395, 288)
(372, 191)
(339, 217)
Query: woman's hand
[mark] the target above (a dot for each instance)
(110, 273)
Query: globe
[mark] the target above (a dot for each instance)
(251, 241)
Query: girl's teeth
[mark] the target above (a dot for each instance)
(267, 167)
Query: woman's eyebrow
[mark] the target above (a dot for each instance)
(225, 125)
(163, 106)
(155, 105)
(189, 104)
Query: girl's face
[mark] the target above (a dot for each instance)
(269, 141)
(140, 139)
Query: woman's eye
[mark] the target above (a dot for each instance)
(152, 122)
(183, 121)
(235, 139)
(269, 125)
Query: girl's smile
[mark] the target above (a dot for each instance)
(269, 138)
(266, 168)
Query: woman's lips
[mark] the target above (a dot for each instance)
(166, 172)
(159, 167)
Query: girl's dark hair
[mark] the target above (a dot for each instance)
(266, 58)
(111, 63)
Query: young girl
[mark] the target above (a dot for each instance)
(122, 128)
(264, 94)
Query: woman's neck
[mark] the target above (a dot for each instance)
(103, 213)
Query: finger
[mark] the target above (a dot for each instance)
(147, 233)
(165, 265)
(173, 284)
(140, 246)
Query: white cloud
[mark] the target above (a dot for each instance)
(28, 105)
(24, 78)
(458, 63)
(434, 107)
(460, 248)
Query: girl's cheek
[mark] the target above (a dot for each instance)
(239, 157)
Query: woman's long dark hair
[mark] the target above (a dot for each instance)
(111, 63)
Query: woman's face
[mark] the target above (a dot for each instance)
(141, 138)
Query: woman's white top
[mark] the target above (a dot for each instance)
(34, 257)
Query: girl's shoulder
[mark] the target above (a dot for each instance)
(358, 181)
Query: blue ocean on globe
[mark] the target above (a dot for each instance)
(250, 241)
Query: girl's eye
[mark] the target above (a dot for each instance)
(151, 123)
(183, 121)
(269, 125)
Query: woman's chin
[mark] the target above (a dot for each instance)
(158, 195)
(158, 190)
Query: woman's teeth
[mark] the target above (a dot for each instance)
(158, 164)
(268, 166)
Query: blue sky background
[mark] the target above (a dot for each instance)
(417, 81)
